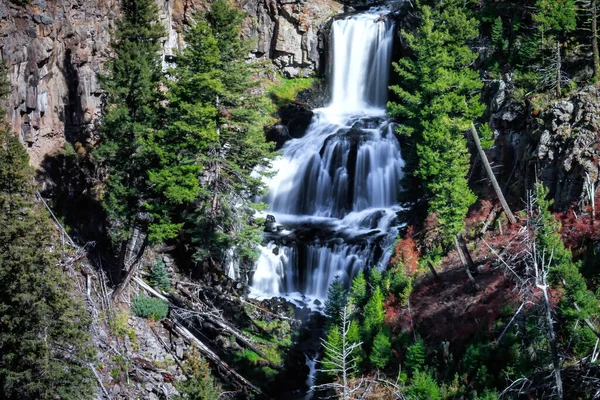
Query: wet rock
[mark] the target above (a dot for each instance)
(278, 134)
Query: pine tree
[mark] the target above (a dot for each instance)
(374, 315)
(382, 347)
(132, 116)
(200, 384)
(358, 290)
(43, 331)
(437, 101)
(556, 17)
(159, 276)
(212, 97)
(336, 300)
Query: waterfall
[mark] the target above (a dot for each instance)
(334, 194)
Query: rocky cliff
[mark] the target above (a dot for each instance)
(55, 50)
(556, 142)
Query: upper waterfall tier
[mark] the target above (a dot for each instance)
(334, 193)
(361, 60)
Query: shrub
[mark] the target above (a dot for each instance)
(200, 384)
(150, 308)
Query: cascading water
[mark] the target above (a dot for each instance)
(334, 197)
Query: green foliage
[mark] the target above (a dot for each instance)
(334, 346)
(336, 301)
(199, 384)
(373, 314)
(149, 307)
(358, 290)
(382, 347)
(415, 356)
(159, 276)
(564, 272)
(353, 336)
(498, 34)
(375, 278)
(400, 285)
(218, 125)
(556, 15)
(424, 387)
(437, 100)
(119, 326)
(44, 345)
(132, 118)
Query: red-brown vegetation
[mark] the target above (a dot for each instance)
(406, 252)
(579, 226)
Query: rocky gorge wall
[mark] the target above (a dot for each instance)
(54, 51)
(557, 144)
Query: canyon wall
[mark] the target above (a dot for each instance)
(54, 51)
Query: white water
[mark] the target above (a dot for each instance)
(335, 191)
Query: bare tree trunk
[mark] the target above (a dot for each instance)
(132, 270)
(491, 176)
(433, 272)
(464, 262)
(595, 38)
(558, 68)
(553, 346)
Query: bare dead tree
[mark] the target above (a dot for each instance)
(491, 176)
(342, 361)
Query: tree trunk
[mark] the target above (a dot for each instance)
(558, 68)
(132, 270)
(433, 272)
(595, 39)
(491, 176)
(553, 347)
(465, 263)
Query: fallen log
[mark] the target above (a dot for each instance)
(229, 372)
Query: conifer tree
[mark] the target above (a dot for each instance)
(556, 17)
(212, 98)
(374, 315)
(380, 353)
(358, 290)
(437, 101)
(336, 300)
(43, 340)
(132, 116)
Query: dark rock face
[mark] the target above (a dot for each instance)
(55, 50)
(568, 149)
(559, 146)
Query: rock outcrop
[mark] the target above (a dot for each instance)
(558, 144)
(55, 50)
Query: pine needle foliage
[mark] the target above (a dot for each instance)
(217, 110)
(44, 345)
(437, 98)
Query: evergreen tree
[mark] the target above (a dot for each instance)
(132, 116)
(374, 315)
(336, 300)
(159, 276)
(200, 384)
(564, 272)
(358, 290)
(437, 103)
(556, 17)
(212, 98)
(382, 347)
(43, 339)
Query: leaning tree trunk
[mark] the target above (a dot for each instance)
(130, 273)
(558, 68)
(595, 39)
(491, 176)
